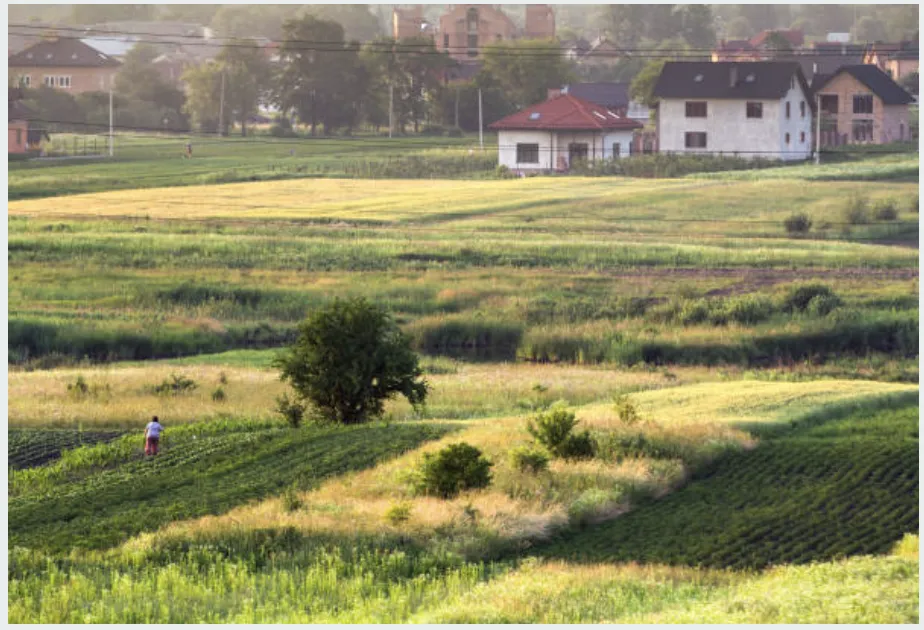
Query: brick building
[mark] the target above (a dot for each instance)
(64, 64)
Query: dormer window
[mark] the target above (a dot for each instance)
(535, 116)
(749, 79)
(698, 78)
(599, 115)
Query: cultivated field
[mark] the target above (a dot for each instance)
(771, 474)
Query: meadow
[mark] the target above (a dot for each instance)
(767, 473)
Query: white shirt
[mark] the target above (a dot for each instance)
(153, 429)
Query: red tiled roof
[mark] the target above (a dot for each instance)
(736, 44)
(566, 112)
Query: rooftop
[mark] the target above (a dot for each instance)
(566, 113)
(62, 52)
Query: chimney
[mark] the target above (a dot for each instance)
(733, 76)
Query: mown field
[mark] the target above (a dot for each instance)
(526, 549)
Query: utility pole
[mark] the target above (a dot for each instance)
(221, 105)
(457, 108)
(391, 109)
(480, 122)
(818, 129)
(111, 144)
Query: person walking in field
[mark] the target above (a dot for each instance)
(188, 150)
(152, 436)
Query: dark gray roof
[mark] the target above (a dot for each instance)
(878, 82)
(608, 94)
(822, 64)
(761, 80)
(63, 52)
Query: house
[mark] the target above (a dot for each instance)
(22, 139)
(65, 64)
(896, 60)
(18, 116)
(862, 105)
(612, 95)
(752, 109)
(552, 135)
(794, 37)
(602, 52)
(736, 50)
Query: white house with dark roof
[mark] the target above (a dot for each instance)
(553, 134)
(757, 109)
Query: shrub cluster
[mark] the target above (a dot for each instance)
(529, 459)
(453, 469)
(856, 211)
(798, 223)
(671, 165)
(554, 428)
(175, 385)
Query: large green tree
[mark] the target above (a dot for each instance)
(139, 81)
(349, 358)
(526, 69)
(203, 95)
(357, 20)
(247, 77)
(321, 78)
(697, 25)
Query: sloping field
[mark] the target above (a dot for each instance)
(331, 554)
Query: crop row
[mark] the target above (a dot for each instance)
(194, 477)
(801, 498)
(34, 447)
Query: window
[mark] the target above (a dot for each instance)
(473, 45)
(577, 151)
(787, 110)
(863, 130)
(64, 82)
(696, 109)
(863, 104)
(695, 140)
(787, 138)
(527, 153)
(446, 41)
(829, 103)
(802, 109)
(755, 110)
(616, 149)
(472, 18)
(802, 137)
(25, 80)
(49, 81)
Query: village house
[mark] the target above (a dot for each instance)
(751, 109)
(64, 64)
(862, 105)
(465, 29)
(556, 133)
(896, 60)
(736, 50)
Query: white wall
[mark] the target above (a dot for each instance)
(554, 145)
(729, 130)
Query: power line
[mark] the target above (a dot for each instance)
(397, 46)
(384, 142)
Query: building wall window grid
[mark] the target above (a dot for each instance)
(527, 153)
(696, 109)
(802, 109)
(695, 140)
(863, 104)
(788, 110)
(754, 110)
(863, 130)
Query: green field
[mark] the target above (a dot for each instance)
(771, 475)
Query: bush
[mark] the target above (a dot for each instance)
(856, 212)
(821, 305)
(79, 387)
(914, 204)
(455, 468)
(223, 378)
(282, 128)
(290, 499)
(553, 430)
(798, 223)
(350, 356)
(219, 394)
(529, 459)
(291, 411)
(886, 211)
(177, 384)
(626, 410)
(749, 309)
(398, 513)
(800, 296)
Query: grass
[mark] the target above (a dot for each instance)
(339, 550)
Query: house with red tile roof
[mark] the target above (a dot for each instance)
(554, 134)
(795, 38)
